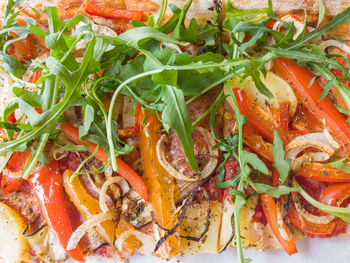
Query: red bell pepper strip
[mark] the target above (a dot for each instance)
(255, 142)
(270, 211)
(335, 194)
(46, 183)
(124, 170)
(309, 228)
(35, 76)
(130, 131)
(113, 13)
(300, 79)
(11, 178)
(323, 173)
(262, 120)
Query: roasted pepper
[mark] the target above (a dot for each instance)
(46, 183)
(87, 205)
(159, 182)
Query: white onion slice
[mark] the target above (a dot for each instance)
(148, 242)
(320, 140)
(103, 192)
(207, 170)
(288, 18)
(280, 224)
(309, 157)
(87, 225)
(58, 153)
(323, 220)
(280, 89)
(334, 43)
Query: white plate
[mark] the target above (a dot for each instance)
(315, 250)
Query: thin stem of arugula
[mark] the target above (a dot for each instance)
(82, 164)
(327, 75)
(206, 113)
(239, 201)
(44, 137)
(35, 158)
(161, 13)
(110, 113)
(100, 169)
(341, 212)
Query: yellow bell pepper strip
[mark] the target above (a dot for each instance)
(159, 182)
(131, 243)
(124, 170)
(87, 205)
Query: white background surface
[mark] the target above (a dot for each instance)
(334, 250)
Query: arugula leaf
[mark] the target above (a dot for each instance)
(89, 116)
(73, 148)
(180, 31)
(274, 191)
(254, 161)
(321, 12)
(281, 164)
(157, 19)
(175, 115)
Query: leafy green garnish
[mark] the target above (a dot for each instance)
(280, 163)
(321, 12)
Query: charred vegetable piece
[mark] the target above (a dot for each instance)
(46, 182)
